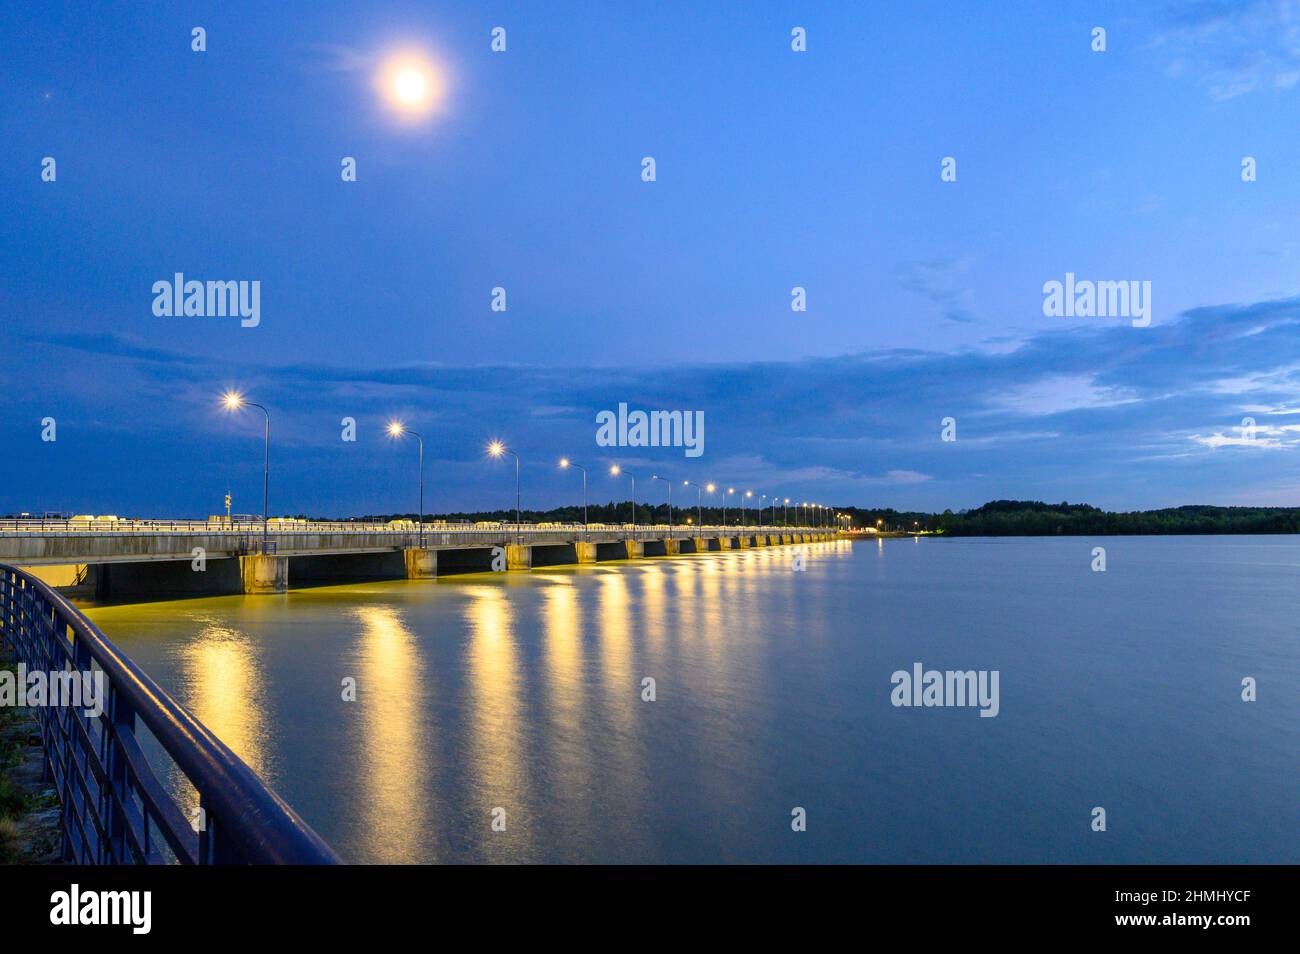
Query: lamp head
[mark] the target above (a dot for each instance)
(396, 428)
(564, 462)
(616, 470)
(233, 400)
(496, 449)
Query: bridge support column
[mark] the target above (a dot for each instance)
(264, 573)
(586, 551)
(724, 543)
(519, 556)
(672, 547)
(744, 541)
(635, 549)
(701, 545)
(421, 563)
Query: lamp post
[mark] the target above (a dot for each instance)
(565, 463)
(730, 491)
(785, 513)
(398, 429)
(496, 449)
(615, 471)
(748, 494)
(699, 500)
(669, 484)
(234, 401)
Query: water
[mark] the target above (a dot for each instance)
(1119, 689)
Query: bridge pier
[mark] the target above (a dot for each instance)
(586, 551)
(263, 573)
(672, 546)
(421, 563)
(635, 549)
(744, 540)
(519, 556)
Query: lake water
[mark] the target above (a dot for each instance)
(1119, 689)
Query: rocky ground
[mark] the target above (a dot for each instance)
(30, 830)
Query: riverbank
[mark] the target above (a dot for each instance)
(29, 806)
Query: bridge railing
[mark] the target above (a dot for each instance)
(115, 810)
(114, 526)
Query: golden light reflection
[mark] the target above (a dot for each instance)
(566, 685)
(223, 674)
(496, 771)
(391, 682)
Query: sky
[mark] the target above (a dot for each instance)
(775, 169)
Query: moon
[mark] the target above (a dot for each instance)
(411, 84)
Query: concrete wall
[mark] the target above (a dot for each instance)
(564, 554)
(334, 568)
(464, 560)
(161, 579)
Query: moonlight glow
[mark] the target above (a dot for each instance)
(410, 84)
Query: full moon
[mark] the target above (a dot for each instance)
(410, 87)
(411, 84)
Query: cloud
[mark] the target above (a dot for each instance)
(1107, 412)
(1234, 47)
(937, 283)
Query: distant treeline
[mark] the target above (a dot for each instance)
(1026, 518)
(998, 518)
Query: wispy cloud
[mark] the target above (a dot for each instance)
(1234, 47)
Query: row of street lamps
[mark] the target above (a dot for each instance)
(820, 514)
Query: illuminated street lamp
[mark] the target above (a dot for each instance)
(398, 429)
(785, 518)
(566, 463)
(748, 494)
(730, 491)
(234, 401)
(615, 471)
(669, 484)
(699, 500)
(496, 449)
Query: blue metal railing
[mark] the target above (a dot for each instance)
(115, 811)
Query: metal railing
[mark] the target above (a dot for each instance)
(112, 527)
(114, 809)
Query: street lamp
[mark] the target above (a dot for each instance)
(615, 471)
(730, 491)
(669, 484)
(234, 401)
(496, 449)
(398, 429)
(785, 513)
(699, 500)
(748, 494)
(566, 463)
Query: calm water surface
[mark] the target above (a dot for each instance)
(1119, 689)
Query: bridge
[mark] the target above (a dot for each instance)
(110, 558)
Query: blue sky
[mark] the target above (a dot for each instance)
(775, 169)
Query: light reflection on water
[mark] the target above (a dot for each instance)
(524, 692)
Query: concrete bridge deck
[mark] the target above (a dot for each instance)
(143, 559)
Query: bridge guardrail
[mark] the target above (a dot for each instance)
(114, 809)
